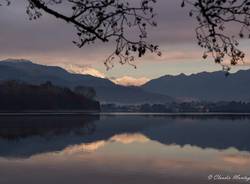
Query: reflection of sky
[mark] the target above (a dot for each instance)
(124, 157)
(49, 41)
(124, 149)
(138, 147)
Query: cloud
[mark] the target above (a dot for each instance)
(52, 37)
(173, 55)
(49, 40)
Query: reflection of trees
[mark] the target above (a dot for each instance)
(42, 134)
(14, 128)
(207, 116)
(195, 116)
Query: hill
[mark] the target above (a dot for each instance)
(214, 86)
(20, 97)
(107, 91)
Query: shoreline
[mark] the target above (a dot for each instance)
(78, 112)
(47, 113)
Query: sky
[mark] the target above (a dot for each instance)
(49, 41)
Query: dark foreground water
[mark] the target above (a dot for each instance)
(124, 149)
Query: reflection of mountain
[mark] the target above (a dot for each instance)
(94, 146)
(204, 132)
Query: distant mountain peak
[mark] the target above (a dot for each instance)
(130, 81)
(82, 69)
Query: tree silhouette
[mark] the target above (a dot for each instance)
(104, 20)
(216, 19)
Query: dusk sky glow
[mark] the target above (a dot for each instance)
(49, 41)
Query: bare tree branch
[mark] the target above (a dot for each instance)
(104, 20)
(4, 2)
(214, 17)
(112, 20)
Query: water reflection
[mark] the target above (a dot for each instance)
(123, 149)
(28, 135)
(24, 136)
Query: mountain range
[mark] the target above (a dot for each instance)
(89, 70)
(204, 86)
(107, 91)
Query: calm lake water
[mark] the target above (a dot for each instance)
(124, 149)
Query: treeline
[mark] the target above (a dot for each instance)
(16, 96)
(191, 107)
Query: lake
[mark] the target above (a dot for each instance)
(124, 149)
